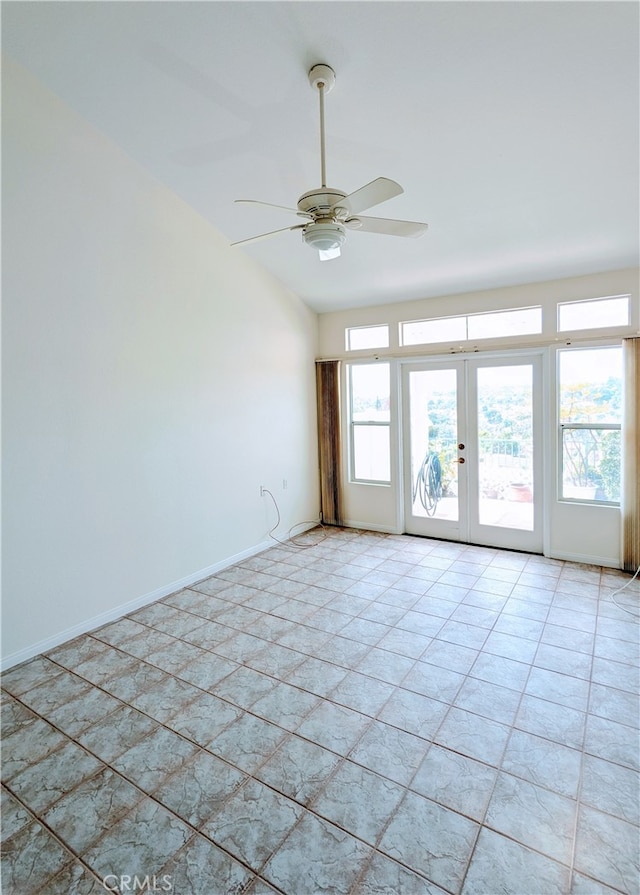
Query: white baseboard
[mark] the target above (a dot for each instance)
(590, 560)
(606, 561)
(97, 621)
(371, 526)
(117, 612)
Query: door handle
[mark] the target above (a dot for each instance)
(460, 447)
(459, 460)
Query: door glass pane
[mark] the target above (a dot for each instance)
(434, 443)
(505, 446)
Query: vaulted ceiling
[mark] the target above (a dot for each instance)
(512, 126)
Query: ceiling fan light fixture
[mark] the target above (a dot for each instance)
(324, 236)
(328, 254)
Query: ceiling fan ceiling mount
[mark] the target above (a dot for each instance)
(322, 75)
(330, 211)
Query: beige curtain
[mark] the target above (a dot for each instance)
(630, 497)
(328, 390)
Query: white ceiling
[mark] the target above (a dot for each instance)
(512, 126)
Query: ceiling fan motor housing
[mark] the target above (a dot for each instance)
(326, 230)
(323, 202)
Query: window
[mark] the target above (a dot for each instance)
(596, 313)
(440, 329)
(358, 337)
(498, 324)
(490, 325)
(590, 414)
(369, 422)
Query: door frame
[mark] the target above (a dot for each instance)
(472, 531)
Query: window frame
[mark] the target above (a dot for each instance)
(563, 427)
(353, 424)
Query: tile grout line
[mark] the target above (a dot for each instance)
(482, 823)
(583, 752)
(282, 678)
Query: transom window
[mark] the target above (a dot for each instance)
(359, 337)
(489, 325)
(595, 313)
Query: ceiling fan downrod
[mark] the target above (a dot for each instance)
(322, 77)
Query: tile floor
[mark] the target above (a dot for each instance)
(371, 714)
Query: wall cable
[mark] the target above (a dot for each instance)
(616, 592)
(290, 542)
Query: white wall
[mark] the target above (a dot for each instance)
(580, 532)
(153, 379)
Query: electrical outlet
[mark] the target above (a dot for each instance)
(284, 484)
(262, 490)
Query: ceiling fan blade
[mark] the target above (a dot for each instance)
(242, 242)
(271, 205)
(329, 254)
(387, 226)
(371, 194)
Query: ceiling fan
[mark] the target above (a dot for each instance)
(329, 212)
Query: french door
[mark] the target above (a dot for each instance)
(472, 433)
